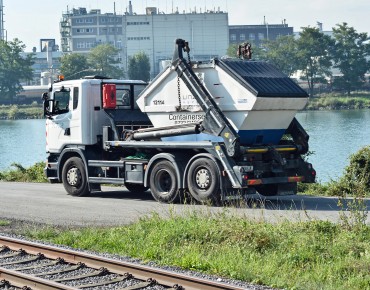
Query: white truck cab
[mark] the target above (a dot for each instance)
(76, 114)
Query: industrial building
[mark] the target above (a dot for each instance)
(46, 62)
(256, 34)
(153, 33)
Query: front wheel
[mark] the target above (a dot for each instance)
(74, 177)
(204, 180)
(163, 182)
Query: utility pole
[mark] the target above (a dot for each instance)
(2, 30)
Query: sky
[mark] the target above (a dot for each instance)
(31, 20)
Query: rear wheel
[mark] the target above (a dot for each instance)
(204, 181)
(74, 177)
(163, 182)
(136, 187)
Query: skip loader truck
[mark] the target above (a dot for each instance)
(217, 130)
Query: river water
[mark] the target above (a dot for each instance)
(22, 141)
(334, 135)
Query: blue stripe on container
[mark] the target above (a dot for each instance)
(257, 137)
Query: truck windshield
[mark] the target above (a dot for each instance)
(61, 102)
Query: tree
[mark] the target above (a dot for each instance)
(74, 66)
(139, 67)
(349, 55)
(282, 52)
(232, 50)
(103, 59)
(313, 56)
(14, 68)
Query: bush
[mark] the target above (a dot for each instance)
(34, 173)
(13, 110)
(354, 182)
(356, 178)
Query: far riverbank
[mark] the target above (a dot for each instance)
(335, 101)
(18, 112)
(332, 101)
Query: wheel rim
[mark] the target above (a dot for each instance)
(74, 176)
(202, 178)
(163, 181)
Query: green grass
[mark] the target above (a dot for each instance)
(301, 255)
(34, 173)
(4, 223)
(338, 101)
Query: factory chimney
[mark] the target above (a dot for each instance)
(129, 8)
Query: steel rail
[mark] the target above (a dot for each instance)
(142, 272)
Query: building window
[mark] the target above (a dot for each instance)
(89, 20)
(139, 38)
(113, 19)
(232, 37)
(261, 36)
(80, 44)
(89, 44)
(242, 37)
(89, 30)
(252, 36)
(138, 23)
(80, 30)
(79, 20)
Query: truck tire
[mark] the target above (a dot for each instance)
(203, 181)
(163, 182)
(136, 187)
(74, 177)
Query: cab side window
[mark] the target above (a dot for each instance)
(61, 101)
(75, 98)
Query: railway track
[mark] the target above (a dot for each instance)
(29, 265)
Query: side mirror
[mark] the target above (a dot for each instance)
(46, 104)
(45, 96)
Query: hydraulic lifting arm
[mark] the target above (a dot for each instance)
(299, 135)
(214, 122)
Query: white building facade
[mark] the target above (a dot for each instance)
(151, 33)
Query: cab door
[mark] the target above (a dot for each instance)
(58, 127)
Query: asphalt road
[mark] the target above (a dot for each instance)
(49, 203)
